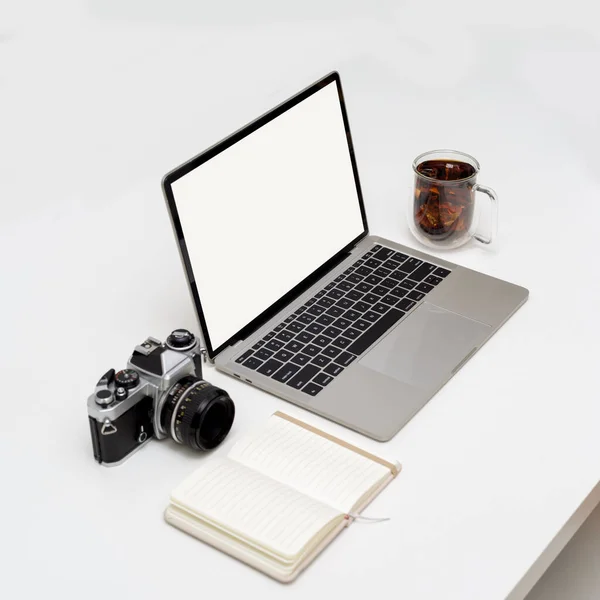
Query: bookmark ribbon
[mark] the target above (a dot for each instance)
(362, 519)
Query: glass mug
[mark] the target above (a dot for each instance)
(443, 212)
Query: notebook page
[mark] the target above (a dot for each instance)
(310, 463)
(250, 505)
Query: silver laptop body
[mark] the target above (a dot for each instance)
(371, 380)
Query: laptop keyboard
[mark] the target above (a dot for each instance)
(331, 330)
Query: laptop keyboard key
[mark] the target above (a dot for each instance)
(373, 279)
(316, 310)
(321, 360)
(342, 323)
(372, 263)
(331, 351)
(424, 287)
(316, 327)
(270, 367)
(371, 316)
(400, 292)
(397, 276)
(324, 320)
(416, 296)
(332, 332)
(354, 295)
(295, 327)
(390, 299)
(294, 346)
(333, 369)
(326, 302)
(341, 342)
(300, 359)
(263, 354)
(389, 283)
(304, 337)
(279, 327)
(380, 290)
(374, 333)
(306, 318)
(258, 345)
(344, 303)
(354, 278)
(398, 256)
(407, 284)
(433, 280)
(351, 333)
(384, 254)
(243, 357)
(410, 265)
(381, 307)
(252, 363)
(335, 293)
(322, 340)
(381, 272)
(345, 358)
(311, 350)
(273, 345)
(406, 304)
(284, 355)
(371, 298)
(364, 287)
(441, 272)
(344, 285)
(284, 336)
(312, 389)
(361, 325)
(303, 376)
(286, 372)
(391, 264)
(361, 306)
(335, 311)
(323, 379)
(364, 271)
(351, 314)
(422, 272)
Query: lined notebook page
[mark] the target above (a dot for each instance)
(310, 463)
(256, 507)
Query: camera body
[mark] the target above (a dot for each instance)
(160, 394)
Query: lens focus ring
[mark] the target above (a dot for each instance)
(198, 414)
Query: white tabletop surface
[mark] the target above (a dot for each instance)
(99, 99)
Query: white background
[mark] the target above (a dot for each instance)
(265, 213)
(99, 99)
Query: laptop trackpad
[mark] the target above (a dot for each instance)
(426, 348)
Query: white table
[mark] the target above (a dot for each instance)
(99, 99)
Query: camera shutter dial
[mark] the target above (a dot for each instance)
(181, 339)
(127, 378)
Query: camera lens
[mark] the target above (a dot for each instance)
(197, 414)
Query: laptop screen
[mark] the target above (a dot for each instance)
(261, 215)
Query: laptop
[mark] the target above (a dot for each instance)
(295, 296)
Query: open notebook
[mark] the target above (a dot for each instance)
(280, 496)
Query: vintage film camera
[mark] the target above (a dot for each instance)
(160, 394)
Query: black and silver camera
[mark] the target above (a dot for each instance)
(160, 394)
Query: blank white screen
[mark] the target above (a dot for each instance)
(262, 215)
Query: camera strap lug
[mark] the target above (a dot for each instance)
(204, 355)
(108, 428)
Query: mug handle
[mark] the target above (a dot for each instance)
(494, 200)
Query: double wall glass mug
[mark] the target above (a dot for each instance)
(444, 212)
